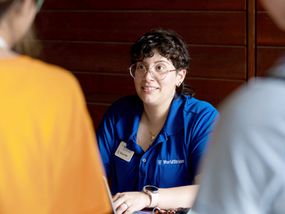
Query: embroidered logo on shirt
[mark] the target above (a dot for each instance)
(170, 162)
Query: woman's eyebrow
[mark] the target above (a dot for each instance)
(157, 61)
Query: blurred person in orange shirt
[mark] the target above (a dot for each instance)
(49, 161)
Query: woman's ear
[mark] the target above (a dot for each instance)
(180, 76)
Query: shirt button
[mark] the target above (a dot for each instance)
(144, 160)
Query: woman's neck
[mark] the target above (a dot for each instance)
(152, 121)
(5, 49)
(156, 115)
(3, 43)
(6, 35)
(155, 112)
(6, 52)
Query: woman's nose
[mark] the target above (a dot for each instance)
(149, 75)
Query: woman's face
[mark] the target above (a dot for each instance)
(155, 91)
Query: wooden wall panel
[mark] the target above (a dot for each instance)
(259, 7)
(267, 32)
(227, 62)
(105, 89)
(89, 56)
(196, 28)
(251, 38)
(267, 57)
(213, 90)
(146, 4)
(114, 59)
(270, 42)
(97, 111)
(92, 38)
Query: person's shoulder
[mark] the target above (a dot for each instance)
(256, 101)
(50, 80)
(194, 105)
(48, 71)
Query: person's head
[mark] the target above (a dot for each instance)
(159, 63)
(276, 9)
(16, 17)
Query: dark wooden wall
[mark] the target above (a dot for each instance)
(92, 39)
(270, 42)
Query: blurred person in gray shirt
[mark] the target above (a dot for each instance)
(244, 169)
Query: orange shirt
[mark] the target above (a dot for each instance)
(49, 161)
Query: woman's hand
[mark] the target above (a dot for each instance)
(129, 202)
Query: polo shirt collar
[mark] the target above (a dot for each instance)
(174, 121)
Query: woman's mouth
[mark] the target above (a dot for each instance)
(149, 88)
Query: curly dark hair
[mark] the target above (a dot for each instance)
(170, 45)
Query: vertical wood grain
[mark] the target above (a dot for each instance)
(251, 37)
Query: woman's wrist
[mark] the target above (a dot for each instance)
(152, 192)
(147, 199)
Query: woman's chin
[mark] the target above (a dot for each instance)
(148, 100)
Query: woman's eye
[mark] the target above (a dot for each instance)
(160, 68)
(140, 67)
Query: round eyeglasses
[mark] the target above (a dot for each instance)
(157, 71)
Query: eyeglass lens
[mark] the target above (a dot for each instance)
(158, 70)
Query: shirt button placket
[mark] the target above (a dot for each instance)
(142, 172)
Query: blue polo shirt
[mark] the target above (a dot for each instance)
(172, 159)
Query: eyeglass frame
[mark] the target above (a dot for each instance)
(149, 70)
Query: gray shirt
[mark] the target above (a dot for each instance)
(244, 170)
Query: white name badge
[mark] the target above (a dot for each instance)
(123, 152)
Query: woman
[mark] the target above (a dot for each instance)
(151, 143)
(48, 162)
